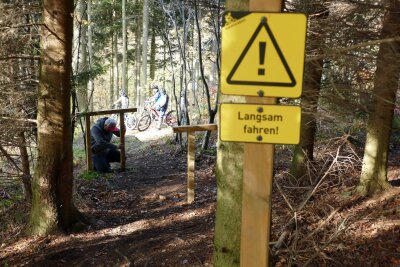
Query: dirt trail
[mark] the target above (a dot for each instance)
(140, 216)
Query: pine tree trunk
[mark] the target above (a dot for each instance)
(214, 73)
(115, 67)
(374, 170)
(303, 152)
(309, 102)
(145, 34)
(137, 62)
(90, 54)
(80, 56)
(26, 174)
(124, 49)
(167, 43)
(111, 89)
(229, 174)
(52, 206)
(229, 171)
(115, 59)
(153, 54)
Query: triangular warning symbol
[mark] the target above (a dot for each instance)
(250, 69)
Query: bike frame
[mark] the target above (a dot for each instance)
(155, 112)
(152, 114)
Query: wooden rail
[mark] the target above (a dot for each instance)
(191, 130)
(121, 113)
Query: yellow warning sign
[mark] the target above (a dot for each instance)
(263, 54)
(274, 124)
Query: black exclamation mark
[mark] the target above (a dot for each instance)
(262, 57)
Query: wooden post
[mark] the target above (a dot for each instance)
(122, 139)
(257, 181)
(88, 150)
(191, 130)
(191, 165)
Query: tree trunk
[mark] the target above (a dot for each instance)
(111, 89)
(215, 71)
(374, 169)
(138, 47)
(168, 43)
(229, 172)
(182, 43)
(115, 68)
(80, 55)
(145, 34)
(52, 206)
(26, 173)
(153, 54)
(124, 49)
(90, 52)
(303, 152)
(115, 59)
(211, 112)
(229, 175)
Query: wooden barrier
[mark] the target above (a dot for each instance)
(191, 130)
(121, 113)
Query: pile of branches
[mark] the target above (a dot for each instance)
(305, 224)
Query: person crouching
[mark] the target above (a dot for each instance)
(103, 152)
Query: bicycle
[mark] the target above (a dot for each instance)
(149, 114)
(129, 119)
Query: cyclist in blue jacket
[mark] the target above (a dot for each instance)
(161, 100)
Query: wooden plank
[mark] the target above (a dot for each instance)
(122, 139)
(256, 202)
(257, 182)
(105, 112)
(191, 166)
(89, 164)
(195, 128)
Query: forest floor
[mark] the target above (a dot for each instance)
(140, 217)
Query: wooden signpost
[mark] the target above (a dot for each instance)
(260, 62)
(191, 130)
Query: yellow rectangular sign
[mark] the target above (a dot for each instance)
(262, 54)
(274, 124)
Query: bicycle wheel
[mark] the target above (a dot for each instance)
(131, 122)
(170, 118)
(144, 122)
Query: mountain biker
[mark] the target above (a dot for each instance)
(123, 99)
(156, 94)
(100, 143)
(161, 100)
